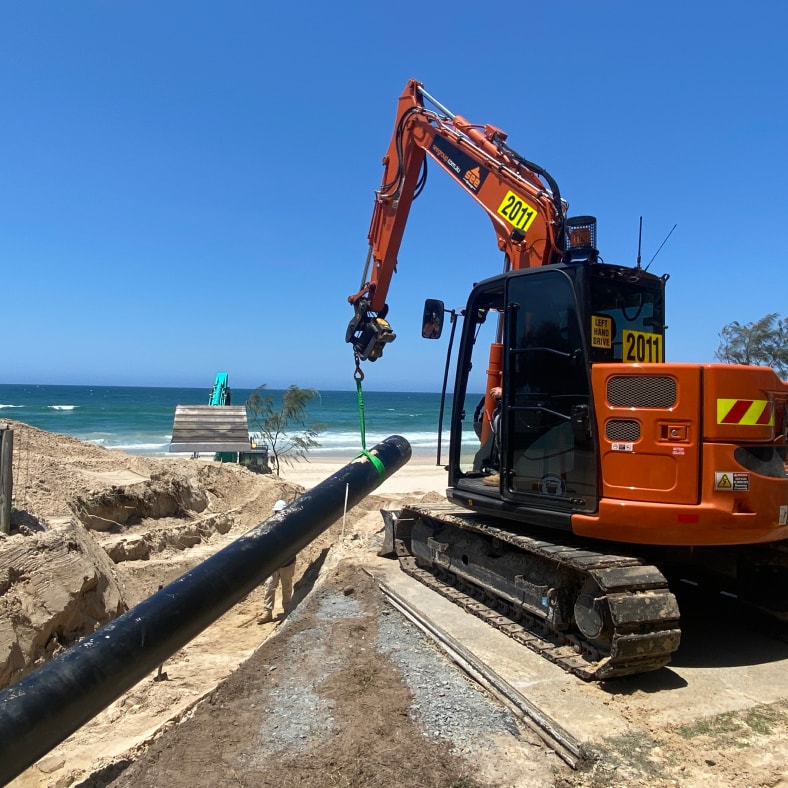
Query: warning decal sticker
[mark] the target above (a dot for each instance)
(752, 412)
(623, 447)
(601, 331)
(731, 481)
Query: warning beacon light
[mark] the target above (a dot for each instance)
(581, 240)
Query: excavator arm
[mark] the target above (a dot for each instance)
(220, 393)
(521, 199)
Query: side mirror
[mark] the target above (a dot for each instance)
(432, 322)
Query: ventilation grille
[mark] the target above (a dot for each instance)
(622, 430)
(641, 391)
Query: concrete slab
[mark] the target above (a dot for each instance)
(718, 668)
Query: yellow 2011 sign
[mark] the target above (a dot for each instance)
(516, 211)
(642, 348)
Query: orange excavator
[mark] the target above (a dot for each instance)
(591, 470)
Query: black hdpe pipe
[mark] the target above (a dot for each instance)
(45, 707)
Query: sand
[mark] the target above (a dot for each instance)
(419, 475)
(58, 480)
(238, 678)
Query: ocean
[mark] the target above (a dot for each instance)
(139, 419)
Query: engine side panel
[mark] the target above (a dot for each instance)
(675, 485)
(648, 423)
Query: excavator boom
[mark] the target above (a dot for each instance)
(521, 199)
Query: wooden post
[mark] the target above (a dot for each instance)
(6, 476)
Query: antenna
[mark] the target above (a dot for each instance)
(661, 245)
(640, 238)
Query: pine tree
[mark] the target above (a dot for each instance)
(762, 343)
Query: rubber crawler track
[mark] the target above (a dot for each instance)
(643, 611)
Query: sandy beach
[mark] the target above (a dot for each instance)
(419, 475)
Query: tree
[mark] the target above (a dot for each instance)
(284, 427)
(763, 343)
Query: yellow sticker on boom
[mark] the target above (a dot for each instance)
(516, 211)
(641, 347)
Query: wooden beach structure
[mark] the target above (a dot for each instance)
(210, 428)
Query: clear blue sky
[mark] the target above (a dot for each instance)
(186, 187)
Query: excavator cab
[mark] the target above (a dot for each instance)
(537, 452)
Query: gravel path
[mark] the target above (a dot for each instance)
(446, 703)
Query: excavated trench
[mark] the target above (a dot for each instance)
(63, 577)
(162, 496)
